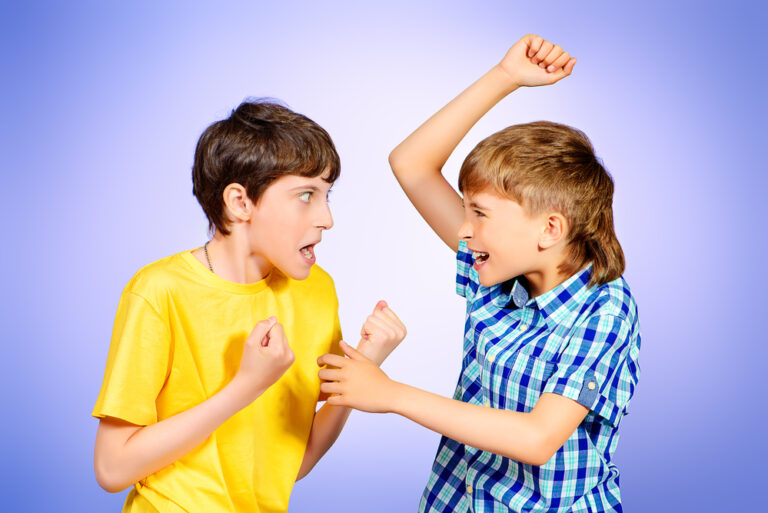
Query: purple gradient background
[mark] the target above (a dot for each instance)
(103, 105)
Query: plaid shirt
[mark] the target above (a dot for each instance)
(576, 341)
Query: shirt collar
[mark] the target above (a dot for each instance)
(514, 294)
(558, 303)
(555, 304)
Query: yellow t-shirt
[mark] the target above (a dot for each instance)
(177, 340)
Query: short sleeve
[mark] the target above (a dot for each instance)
(137, 364)
(598, 368)
(336, 336)
(467, 280)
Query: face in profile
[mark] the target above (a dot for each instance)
(288, 222)
(503, 238)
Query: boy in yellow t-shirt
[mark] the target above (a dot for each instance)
(204, 405)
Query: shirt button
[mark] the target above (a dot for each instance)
(487, 403)
(523, 327)
(469, 489)
(491, 358)
(591, 385)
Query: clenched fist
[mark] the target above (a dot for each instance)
(266, 357)
(534, 61)
(381, 333)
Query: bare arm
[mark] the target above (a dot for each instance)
(326, 428)
(381, 333)
(532, 437)
(126, 453)
(417, 162)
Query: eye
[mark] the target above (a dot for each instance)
(305, 196)
(328, 196)
(479, 214)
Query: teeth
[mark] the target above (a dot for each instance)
(479, 254)
(306, 252)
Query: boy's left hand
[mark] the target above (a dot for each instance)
(381, 333)
(355, 382)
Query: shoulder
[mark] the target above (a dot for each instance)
(155, 280)
(613, 299)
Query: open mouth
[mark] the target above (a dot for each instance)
(480, 258)
(308, 252)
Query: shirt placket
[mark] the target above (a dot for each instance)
(523, 320)
(484, 345)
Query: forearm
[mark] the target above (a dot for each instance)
(326, 428)
(330, 420)
(427, 149)
(120, 463)
(511, 434)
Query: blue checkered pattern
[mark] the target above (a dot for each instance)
(577, 341)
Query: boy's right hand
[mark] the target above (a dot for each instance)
(534, 61)
(266, 357)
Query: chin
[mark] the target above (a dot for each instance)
(297, 274)
(486, 283)
(489, 281)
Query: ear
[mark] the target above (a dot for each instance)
(237, 204)
(554, 230)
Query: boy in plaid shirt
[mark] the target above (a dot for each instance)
(551, 334)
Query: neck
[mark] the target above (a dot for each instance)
(548, 276)
(543, 281)
(233, 259)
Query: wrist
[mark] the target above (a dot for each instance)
(397, 397)
(241, 392)
(370, 352)
(506, 80)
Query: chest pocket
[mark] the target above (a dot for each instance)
(518, 381)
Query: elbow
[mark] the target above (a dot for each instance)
(303, 473)
(396, 161)
(306, 468)
(539, 456)
(539, 450)
(399, 161)
(108, 484)
(107, 479)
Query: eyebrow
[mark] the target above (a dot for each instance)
(304, 188)
(476, 205)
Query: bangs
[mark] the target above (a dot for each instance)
(313, 157)
(488, 168)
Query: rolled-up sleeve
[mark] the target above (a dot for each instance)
(598, 367)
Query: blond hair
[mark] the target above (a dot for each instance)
(547, 166)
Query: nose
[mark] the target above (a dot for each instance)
(465, 230)
(324, 217)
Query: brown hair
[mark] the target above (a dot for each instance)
(257, 144)
(548, 166)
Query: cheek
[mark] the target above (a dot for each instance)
(271, 232)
